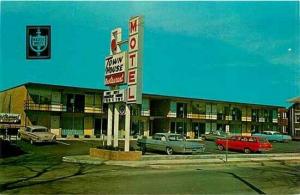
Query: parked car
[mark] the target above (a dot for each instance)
(169, 143)
(36, 134)
(274, 136)
(247, 144)
(213, 135)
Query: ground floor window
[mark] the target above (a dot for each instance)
(210, 127)
(198, 129)
(235, 128)
(137, 128)
(178, 127)
(255, 129)
(221, 127)
(72, 126)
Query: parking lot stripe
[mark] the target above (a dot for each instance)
(60, 142)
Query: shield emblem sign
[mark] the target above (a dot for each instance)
(38, 42)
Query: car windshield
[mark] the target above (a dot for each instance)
(40, 130)
(176, 138)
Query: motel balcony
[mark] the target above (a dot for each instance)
(30, 105)
(93, 109)
(157, 113)
(145, 113)
(196, 116)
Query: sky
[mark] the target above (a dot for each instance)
(233, 51)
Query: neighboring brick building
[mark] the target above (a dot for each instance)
(79, 112)
(294, 117)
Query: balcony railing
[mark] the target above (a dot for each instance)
(145, 113)
(31, 105)
(196, 116)
(246, 118)
(158, 113)
(58, 107)
(172, 114)
(93, 109)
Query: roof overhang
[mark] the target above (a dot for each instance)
(294, 100)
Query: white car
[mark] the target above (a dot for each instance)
(36, 134)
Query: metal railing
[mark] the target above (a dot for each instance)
(31, 105)
(59, 107)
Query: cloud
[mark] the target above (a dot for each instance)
(229, 25)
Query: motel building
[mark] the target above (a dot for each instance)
(73, 112)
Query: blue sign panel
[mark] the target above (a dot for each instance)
(38, 42)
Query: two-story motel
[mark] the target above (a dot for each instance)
(73, 112)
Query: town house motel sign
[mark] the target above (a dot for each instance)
(123, 75)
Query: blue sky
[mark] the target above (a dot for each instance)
(234, 51)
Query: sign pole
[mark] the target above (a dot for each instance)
(127, 128)
(116, 125)
(124, 68)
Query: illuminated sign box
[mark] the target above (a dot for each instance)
(114, 96)
(115, 69)
(135, 49)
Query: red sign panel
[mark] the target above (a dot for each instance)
(115, 79)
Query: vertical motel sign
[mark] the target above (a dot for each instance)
(135, 60)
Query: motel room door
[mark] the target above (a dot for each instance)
(55, 125)
(100, 126)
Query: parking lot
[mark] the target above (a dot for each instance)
(41, 170)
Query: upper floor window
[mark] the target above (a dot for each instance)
(135, 110)
(181, 110)
(255, 115)
(297, 118)
(236, 114)
(40, 99)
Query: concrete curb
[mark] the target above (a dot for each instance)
(201, 160)
(84, 159)
(216, 156)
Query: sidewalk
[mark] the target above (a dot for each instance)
(179, 160)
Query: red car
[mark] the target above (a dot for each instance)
(244, 143)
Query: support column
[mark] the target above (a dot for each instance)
(109, 124)
(127, 128)
(116, 125)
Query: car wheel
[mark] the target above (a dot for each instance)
(247, 150)
(31, 142)
(143, 149)
(169, 151)
(220, 147)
